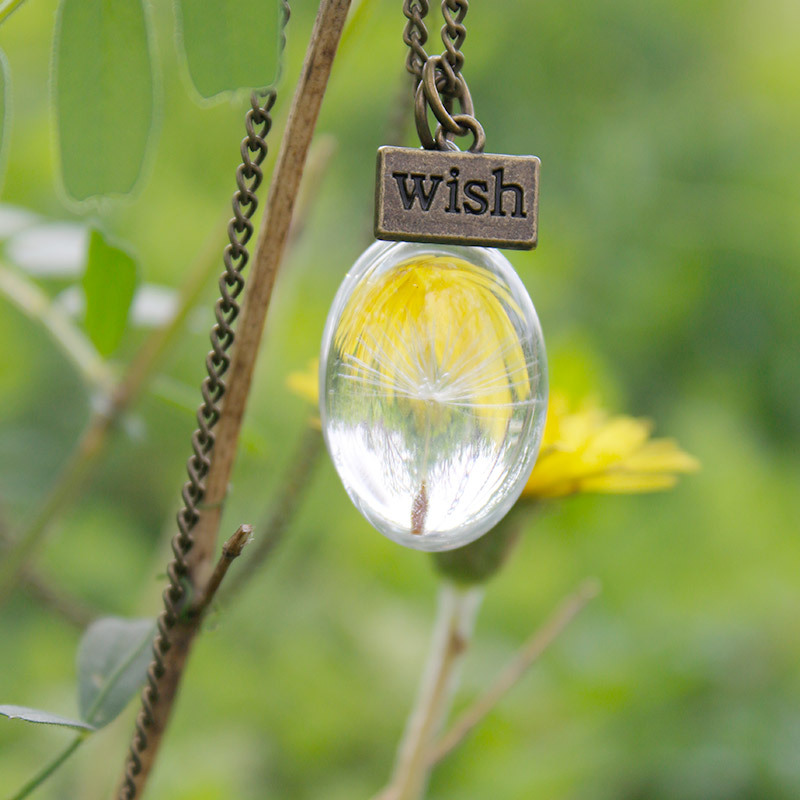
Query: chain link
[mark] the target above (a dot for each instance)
(415, 35)
(454, 32)
(428, 96)
(249, 176)
(231, 284)
(439, 82)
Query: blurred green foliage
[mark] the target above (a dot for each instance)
(221, 52)
(4, 110)
(666, 280)
(109, 283)
(103, 94)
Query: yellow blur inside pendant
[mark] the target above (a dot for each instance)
(433, 390)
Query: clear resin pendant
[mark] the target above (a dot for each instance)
(433, 390)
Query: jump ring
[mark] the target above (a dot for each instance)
(421, 119)
(427, 95)
(434, 99)
(469, 123)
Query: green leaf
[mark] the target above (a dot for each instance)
(103, 95)
(109, 284)
(230, 44)
(43, 717)
(113, 657)
(5, 103)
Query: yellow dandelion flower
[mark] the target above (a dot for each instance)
(589, 451)
(435, 385)
(436, 332)
(581, 451)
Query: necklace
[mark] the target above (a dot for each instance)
(433, 382)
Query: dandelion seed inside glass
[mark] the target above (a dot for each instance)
(433, 390)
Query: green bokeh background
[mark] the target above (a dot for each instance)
(667, 281)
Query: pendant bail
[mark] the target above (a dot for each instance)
(428, 95)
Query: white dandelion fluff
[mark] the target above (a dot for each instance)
(433, 390)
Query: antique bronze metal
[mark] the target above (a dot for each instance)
(440, 194)
(450, 197)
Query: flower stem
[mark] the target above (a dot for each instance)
(9, 8)
(68, 484)
(278, 214)
(527, 655)
(160, 694)
(455, 617)
(114, 400)
(287, 500)
(49, 768)
(36, 305)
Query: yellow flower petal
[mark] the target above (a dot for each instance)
(586, 451)
(661, 455)
(627, 483)
(436, 317)
(553, 476)
(615, 440)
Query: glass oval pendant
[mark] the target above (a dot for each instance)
(433, 390)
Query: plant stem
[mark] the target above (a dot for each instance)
(183, 635)
(526, 656)
(49, 768)
(71, 478)
(48, 593)
(232, 550)
(149, 354)
(7, 10)
(159, 696)
(114, 401)
(269, 253)
(455, 616)
(288, 498)
(36, 305)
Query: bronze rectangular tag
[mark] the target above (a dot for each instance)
(454, 197)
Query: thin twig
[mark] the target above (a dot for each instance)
(9, 8)
(516, 668)
(455, 617)
(66, 335)
(48, 769)
(85, 457)
(269, 253)
(287, 500)
(301, 466)
(231, 550)
(45, 589)
(184, 634)
(292, 488)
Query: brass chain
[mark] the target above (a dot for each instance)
(454, 32)
(415, 35)
(258, 122)
(438, 78)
